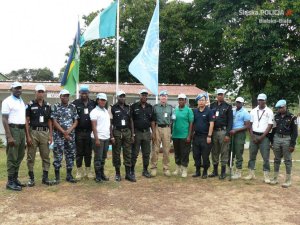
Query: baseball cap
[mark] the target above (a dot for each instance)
(84, 88)
(280, 103)
(15, 84)
(102, 96)
(40, 87)
(64, 92)
(182, 96)
(201, 95)
(240, 99)
(163, 92)
(143, 91)
(119, 93)
(221, 91)
(262, 96)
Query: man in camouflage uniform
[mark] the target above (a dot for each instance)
(65, 120)
(285, 134)
(38, 134)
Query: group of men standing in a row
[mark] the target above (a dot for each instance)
(74, 129)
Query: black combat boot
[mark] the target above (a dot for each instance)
(18, 183)
(204, 174)
(197, 173)
(103, 177)
(98, 178)
(69, 177)
(31, 182)
(57, 176)
(45, 179)
(118, 174)
(215, 171)
(11, 185)
(128, 174)
(223, 173)
(132, 173)
(146, 172)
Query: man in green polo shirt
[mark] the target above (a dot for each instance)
(182, 129)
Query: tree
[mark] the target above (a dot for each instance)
(44, 74)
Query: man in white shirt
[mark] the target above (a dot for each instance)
(13, 119)
(261, 123)
(100, 119)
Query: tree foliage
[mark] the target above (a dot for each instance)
(44, 74)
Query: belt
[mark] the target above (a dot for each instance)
(40, 128)
(83, 130)
(256, 133)
(142, 130)
(19, 126)
(163, 125)
(283, 135)
(219, 128)
(122, 129)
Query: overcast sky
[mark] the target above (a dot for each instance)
(37, 33)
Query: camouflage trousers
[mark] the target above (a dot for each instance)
(281, 149)
(64, 147)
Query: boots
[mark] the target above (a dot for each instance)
(98, 177)
(132, 172)
(118, 174)
(153, 172)
(146, 173)
(237, 174)
(57, 176)
(223, 173)
(31, 182)
(11, 185)
(79, 173)
(204, 174)
(178, 170)
(288, 181)
(90, 173)
(102, 174)
(197, 173)
(128, 174)
(215, 171)
(18, 183)
(69, 177)
(184, 172)
(267, 177)
(275, 179)
(250, 176)
(45, 179)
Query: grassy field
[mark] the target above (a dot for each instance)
(160, 200)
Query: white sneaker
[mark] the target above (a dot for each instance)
(79, 173)
(237, 174)
(288, 181)
(90, 173)
(153, 172)
(250, 176)
(167, 173)
(267, 177)
(177, 171)
(184, 172)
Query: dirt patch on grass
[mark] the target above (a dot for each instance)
(159, 200)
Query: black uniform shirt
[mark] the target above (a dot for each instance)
(84, 121)
(287, 125)
(142, 117)
(202, 120)
(39, 115)
(120, 116)
(223, 116)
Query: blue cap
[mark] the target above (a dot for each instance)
(163, 92)
(280, 103)
(201, 95)
(84, 88)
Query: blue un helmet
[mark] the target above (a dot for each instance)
(201, 95)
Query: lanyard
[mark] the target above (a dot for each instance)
(259, 117)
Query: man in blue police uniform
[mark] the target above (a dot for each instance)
(285, 134)
(84, 106)
(203, 129)
(65, 120)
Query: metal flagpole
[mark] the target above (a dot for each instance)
(117, 47)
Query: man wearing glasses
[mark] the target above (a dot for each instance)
(38, 134)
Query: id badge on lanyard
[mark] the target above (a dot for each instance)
(41, 119)
(86, 111)
(123, 123)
